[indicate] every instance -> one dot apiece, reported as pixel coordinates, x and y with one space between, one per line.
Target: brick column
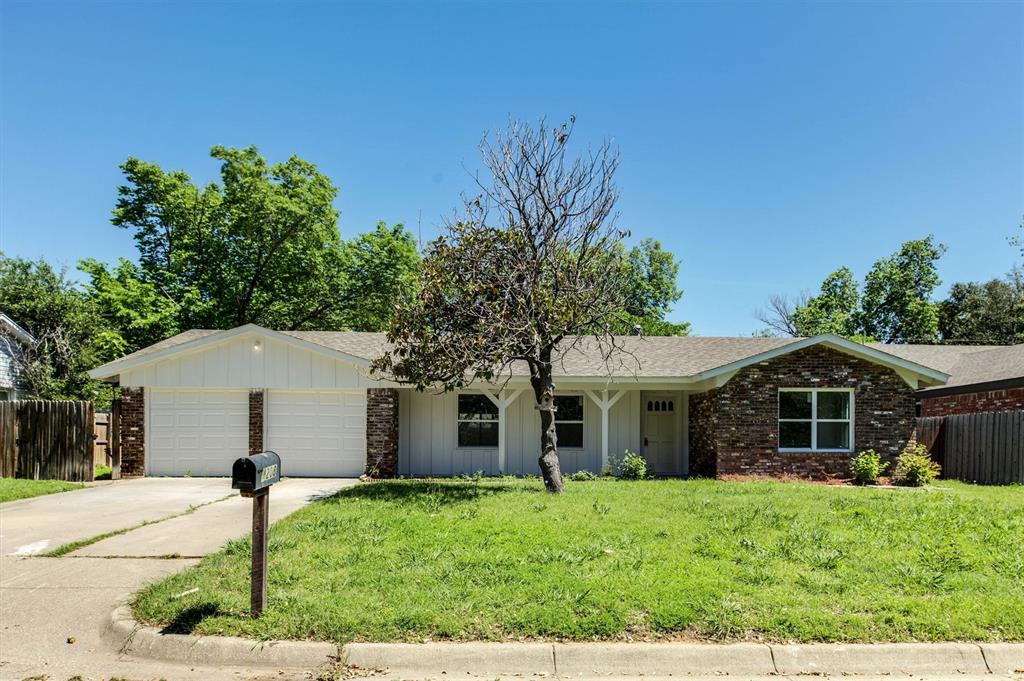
256 421
133 432
381 432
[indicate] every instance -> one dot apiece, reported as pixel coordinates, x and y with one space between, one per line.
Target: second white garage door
317 433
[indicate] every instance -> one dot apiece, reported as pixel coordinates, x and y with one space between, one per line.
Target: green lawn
12 488
501 559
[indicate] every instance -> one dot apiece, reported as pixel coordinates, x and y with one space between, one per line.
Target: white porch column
502 403
605 404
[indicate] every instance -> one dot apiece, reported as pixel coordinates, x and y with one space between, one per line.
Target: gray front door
660 425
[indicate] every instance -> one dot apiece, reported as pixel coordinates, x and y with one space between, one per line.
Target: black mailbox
254 473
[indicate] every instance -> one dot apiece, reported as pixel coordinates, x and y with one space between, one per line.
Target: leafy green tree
989 313
381 269
833 310
897 304
261 247
134 309
71 335
530 264
652 289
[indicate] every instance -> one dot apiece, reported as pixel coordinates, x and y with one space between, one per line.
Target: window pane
833 435
569 434
794 434
488 433
569 408
794 405
476 407
833 405
469 434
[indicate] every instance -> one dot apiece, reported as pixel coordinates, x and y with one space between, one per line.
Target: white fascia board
114 368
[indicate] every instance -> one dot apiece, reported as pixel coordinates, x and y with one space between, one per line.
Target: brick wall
703 419
1008 399
133 432
256 398
382 432
746 413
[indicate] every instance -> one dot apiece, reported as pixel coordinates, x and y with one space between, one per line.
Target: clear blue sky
765 144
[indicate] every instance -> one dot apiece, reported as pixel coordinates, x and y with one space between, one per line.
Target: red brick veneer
133 432
382 432
736 425
256 398
1008 399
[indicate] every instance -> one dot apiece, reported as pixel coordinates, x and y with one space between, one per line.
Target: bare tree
529 269
779 314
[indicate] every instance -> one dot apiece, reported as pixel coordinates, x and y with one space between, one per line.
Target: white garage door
197 432
318 433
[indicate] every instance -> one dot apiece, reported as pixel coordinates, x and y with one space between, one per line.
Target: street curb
572 659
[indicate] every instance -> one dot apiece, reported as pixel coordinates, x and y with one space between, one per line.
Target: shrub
867 466
915 467
632 467
101 472
582 476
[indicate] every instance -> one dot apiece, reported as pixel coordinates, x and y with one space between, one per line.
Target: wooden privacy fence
46 440
986 448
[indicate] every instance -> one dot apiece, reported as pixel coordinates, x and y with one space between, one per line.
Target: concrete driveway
52 610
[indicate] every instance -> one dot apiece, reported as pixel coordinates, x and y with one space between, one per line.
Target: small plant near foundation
915 467
582 476
632 467
867 466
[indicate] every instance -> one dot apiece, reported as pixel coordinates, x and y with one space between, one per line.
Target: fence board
46 440
986 448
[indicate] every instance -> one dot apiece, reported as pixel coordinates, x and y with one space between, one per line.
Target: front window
478 421
815 420
569 420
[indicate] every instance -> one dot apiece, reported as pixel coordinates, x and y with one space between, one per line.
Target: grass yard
706 560
16 488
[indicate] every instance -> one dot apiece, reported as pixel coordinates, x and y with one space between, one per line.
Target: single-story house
982 377
13 342
703 406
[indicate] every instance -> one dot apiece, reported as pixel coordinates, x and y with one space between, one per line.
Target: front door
659 422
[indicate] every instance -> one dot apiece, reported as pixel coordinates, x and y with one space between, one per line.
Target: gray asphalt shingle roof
673 356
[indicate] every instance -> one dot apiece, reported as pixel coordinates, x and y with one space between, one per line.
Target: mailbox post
253 476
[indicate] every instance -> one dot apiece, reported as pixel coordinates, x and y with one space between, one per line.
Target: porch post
605 405
502 403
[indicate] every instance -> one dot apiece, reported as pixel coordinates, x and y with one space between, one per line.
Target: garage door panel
197 432
318 433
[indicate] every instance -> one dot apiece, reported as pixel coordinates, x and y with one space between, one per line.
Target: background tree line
260 246
896 303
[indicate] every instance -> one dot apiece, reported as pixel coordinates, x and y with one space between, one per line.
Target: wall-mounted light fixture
256 345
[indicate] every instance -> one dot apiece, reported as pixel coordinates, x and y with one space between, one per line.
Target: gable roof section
196 339
967 364
693 358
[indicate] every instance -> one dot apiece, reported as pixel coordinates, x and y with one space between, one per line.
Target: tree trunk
544 392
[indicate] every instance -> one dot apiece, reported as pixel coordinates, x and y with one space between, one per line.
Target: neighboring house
982 378
691 405
13 341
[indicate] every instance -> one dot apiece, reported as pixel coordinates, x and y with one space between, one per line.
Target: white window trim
582 422
814 420
496 419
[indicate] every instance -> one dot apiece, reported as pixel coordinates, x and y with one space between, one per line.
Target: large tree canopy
261 247
988 313
895 306
71 336
531 263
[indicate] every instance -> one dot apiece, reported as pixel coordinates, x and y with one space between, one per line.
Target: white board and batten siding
428 443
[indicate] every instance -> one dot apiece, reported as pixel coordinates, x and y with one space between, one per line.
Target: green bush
101 472
867 466
915 467
582 476
632 467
